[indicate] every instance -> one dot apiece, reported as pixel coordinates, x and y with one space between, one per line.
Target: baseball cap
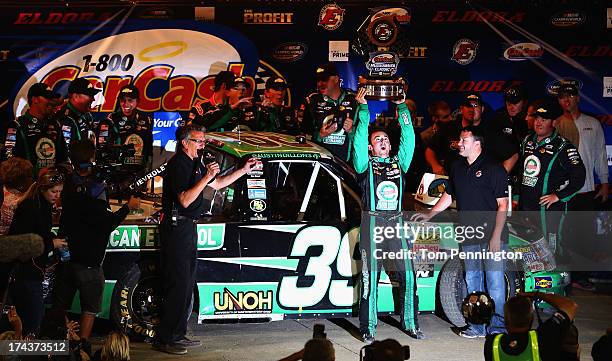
41 90
276 82
567 89
515 94
472 97
547 109
324 71
241 80
82 86
129 91
225 77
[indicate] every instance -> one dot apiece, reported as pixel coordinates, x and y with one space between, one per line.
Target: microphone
20 247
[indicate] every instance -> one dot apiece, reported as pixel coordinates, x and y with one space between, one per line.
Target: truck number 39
335 248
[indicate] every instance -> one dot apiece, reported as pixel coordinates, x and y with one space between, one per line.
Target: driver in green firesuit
381 178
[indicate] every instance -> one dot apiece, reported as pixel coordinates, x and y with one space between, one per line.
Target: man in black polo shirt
547 342
480 187
182 202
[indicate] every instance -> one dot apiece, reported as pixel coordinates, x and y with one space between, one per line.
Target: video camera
112 156
110 168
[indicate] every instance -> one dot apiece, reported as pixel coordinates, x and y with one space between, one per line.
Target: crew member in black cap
443 150
35 136
508 128
272 113
245 112
553 171
221 111
329 113
75 117
128 125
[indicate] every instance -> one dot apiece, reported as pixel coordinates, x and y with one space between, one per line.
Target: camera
385 350
318 331
113 155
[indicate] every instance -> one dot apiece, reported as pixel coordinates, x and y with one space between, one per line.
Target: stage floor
272 341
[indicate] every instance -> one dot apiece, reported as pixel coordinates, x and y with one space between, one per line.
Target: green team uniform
552 165
320 109
75 125
381 182
37 140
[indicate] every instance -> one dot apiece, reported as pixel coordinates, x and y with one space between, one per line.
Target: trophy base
383 89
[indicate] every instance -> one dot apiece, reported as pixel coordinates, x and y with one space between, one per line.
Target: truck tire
452 289
136 301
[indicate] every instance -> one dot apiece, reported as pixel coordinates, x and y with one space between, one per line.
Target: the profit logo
243 302
464 51
331 16
266 18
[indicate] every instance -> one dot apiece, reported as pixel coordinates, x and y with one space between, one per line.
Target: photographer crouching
183 204
86 223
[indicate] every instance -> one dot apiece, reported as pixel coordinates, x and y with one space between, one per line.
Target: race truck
280 243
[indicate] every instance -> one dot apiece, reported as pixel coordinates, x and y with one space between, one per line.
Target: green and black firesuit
216 117
382 191
75 125
276 119
37 140
551 165
320 109
137 130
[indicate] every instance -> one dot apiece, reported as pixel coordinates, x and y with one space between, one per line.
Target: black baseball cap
276 82
515 94
547 109
82 86
471 97
129 91
567 89
324 71
41 90
225 77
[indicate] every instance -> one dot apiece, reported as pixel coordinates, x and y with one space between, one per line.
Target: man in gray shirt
591 144
592 149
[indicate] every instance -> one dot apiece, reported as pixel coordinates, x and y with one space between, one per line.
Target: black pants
178 265
27 297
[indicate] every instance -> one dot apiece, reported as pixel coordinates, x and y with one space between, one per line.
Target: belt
184 218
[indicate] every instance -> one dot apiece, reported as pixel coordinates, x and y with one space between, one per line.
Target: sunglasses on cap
53 176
